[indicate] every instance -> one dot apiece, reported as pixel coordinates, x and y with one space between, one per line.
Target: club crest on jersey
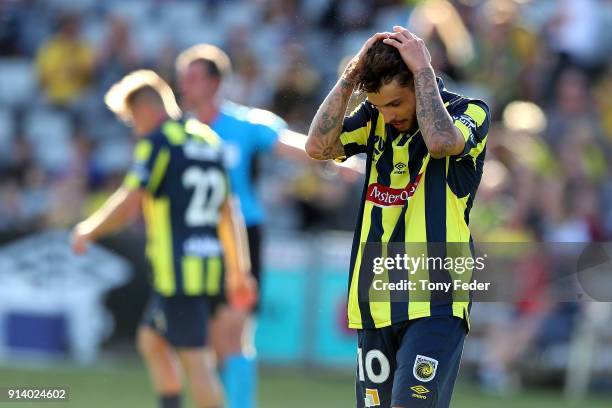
424 368
371 397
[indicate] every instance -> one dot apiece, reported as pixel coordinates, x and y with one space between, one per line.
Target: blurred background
544 67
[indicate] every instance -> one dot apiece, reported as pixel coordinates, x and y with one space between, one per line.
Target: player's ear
216 84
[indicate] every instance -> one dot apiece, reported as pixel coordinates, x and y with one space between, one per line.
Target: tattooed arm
439 133
323 141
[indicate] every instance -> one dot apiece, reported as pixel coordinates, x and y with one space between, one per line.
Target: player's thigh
200 369
376 364
227 331
150 343
160 358
150 340
198 363
428 362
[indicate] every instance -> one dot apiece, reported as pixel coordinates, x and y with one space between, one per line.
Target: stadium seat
133 10
388 17
94 31
7 132
17 81
114 154
75 5
352 42
184 12
313 10
238 13
188 35
50 133
150 39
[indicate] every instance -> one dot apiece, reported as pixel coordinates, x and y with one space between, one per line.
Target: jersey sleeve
355 131
266 129
472 118
149 164
222 163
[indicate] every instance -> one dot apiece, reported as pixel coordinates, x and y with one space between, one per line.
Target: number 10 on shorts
368 364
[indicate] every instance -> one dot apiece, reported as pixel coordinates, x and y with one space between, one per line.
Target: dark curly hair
382 64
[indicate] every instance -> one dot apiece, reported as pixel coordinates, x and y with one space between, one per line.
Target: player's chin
401 126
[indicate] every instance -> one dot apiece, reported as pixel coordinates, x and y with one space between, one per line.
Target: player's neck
155 122
208 112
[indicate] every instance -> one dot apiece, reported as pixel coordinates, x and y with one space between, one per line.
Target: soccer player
245 133
193 234
425 150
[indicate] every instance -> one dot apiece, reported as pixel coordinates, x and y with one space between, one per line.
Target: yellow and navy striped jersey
410 197
180 166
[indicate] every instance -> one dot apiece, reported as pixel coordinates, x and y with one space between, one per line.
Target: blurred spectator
573 104
602 92
575 32
246 85
9 29
117 55
65 63
164 62
507 56
450 44
296 89
347 15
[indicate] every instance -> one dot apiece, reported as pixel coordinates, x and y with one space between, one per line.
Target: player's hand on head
413 50
350 71
79 240
242 291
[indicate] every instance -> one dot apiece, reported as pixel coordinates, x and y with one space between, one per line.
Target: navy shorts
181 320
411 364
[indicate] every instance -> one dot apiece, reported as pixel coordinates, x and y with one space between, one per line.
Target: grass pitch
124 383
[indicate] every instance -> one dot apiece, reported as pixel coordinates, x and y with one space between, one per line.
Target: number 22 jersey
180 166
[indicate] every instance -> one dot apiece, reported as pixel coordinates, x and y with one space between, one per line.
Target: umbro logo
419 392
400 168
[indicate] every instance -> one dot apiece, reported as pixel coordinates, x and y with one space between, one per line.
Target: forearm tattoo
326 126
434 120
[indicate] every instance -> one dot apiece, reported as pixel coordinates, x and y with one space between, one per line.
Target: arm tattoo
434 121
325 129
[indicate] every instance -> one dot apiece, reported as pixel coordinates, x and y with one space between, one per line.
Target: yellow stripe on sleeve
159 169
143 150
131 181
175 132
358 136
477 113
203 132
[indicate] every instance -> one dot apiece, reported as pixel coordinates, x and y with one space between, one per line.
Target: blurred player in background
246 132
194 235
425 151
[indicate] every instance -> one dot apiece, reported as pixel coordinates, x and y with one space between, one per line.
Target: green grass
125 384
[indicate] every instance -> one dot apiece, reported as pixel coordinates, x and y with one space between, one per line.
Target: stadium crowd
544 67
